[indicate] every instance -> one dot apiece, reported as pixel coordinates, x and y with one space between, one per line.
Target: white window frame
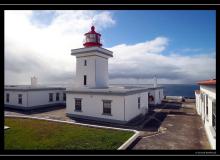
107 105
77 107
64 96
19 98
50 97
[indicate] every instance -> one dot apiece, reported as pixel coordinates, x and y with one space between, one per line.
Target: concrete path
181 128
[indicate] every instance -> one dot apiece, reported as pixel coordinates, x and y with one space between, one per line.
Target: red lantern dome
92 39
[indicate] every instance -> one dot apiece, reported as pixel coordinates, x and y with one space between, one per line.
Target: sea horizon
184 89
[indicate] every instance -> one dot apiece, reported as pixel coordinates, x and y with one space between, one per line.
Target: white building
155 94
27 97
206 108
93 98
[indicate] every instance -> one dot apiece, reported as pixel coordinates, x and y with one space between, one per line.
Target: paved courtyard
168 126
179 128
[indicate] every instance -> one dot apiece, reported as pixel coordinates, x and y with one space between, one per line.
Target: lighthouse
92 98
92 62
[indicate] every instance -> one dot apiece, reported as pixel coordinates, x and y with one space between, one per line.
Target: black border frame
105 7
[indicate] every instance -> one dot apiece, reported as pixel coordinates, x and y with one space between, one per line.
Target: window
7 97
207 111
91 38
50 97
139 102
57 96
78 104
107 107
85 62
214 114
85 79
64 96
20 99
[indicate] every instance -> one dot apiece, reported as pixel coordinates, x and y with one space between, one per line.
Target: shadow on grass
36 110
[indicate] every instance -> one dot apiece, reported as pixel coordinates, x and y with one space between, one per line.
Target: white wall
210 90
101 72
152 93
158 96
131 103
36 98
33 98
87 70
198 106
92 105
201 110
155 94
96 71
13 98
123 108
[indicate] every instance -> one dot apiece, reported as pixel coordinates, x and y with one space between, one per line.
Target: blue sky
176 45
185 29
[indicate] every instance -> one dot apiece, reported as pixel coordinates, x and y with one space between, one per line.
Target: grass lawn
31 134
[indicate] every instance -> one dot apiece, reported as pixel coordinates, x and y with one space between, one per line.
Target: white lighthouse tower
92 62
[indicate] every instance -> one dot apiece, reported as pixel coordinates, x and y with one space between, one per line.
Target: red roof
92 31
207 82
92 42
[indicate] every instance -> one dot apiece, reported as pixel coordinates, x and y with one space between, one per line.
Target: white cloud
43 50
143 60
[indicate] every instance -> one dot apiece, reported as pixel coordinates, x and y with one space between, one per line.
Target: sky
178 46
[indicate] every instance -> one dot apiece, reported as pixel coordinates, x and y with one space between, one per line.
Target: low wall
174 97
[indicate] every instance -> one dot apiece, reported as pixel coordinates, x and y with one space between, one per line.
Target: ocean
185 90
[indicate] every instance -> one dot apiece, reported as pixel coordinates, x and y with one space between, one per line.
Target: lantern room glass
91 38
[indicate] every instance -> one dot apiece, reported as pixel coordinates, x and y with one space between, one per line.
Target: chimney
33 81
155 81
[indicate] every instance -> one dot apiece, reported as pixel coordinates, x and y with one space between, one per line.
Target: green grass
30 134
